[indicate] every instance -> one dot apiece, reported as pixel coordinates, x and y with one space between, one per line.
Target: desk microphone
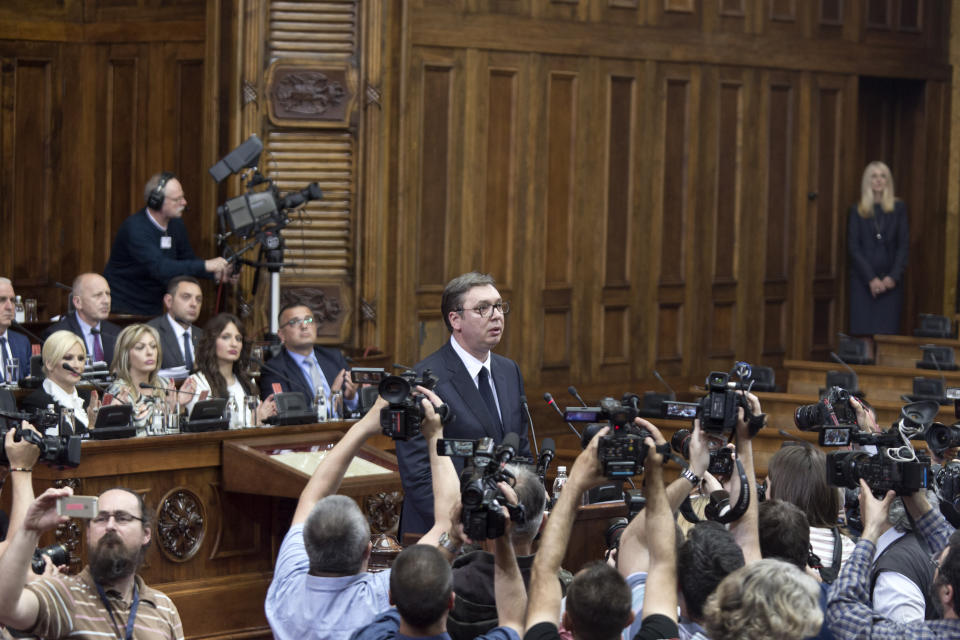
29 333
572 390
856 379
673 394
147 385
526 410
281 374
553 403
549 451
85 378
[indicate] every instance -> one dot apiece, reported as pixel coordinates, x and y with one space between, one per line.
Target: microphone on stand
553 403
85 377
549 451
30 334
572 390
526 410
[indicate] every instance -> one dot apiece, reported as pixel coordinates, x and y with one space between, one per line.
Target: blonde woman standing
878 241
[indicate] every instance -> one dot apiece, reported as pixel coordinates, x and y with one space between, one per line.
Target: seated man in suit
178 335
304 366
482 389
12 344
91 301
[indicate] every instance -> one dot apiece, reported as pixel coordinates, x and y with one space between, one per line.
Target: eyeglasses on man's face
293 322
122 517
485 310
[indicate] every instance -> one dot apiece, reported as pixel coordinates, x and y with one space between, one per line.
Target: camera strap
715 511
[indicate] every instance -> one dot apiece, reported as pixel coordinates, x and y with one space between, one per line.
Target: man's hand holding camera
21 453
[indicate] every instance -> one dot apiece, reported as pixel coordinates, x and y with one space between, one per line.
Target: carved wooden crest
181 524
312 94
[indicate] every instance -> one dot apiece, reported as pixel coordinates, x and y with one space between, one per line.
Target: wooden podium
221 503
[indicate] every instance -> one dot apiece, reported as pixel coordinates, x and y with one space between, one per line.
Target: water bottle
321 402
559 482
232 410
20 313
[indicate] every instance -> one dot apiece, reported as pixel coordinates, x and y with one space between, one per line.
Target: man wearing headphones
152 247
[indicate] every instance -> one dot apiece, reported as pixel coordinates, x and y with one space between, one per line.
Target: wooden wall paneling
436 124
561 10
927 259
719 228
618 97
788 18
676 14
373 216
510 7
951 228
826 212
728 16
618 12
779 106
35 106
678 92
562 81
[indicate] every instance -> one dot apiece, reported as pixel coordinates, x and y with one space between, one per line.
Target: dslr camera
55 451
621 452
721 460
717 410
402 419
833 417
479 494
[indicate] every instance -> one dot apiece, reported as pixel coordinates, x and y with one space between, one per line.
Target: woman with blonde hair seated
60 385
136 361
223 357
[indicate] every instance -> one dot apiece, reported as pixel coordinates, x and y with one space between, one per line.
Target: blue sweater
139 267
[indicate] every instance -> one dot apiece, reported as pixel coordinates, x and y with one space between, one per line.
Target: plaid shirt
849 611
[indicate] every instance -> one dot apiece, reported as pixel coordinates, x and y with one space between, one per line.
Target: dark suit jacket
471 420
285 371
39 399
108 333
20 348
170 345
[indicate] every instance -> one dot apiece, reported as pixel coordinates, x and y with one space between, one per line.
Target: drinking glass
336 405
13 371
30 309
252 402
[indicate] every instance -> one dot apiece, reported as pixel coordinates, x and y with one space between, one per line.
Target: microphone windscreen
572 390
69 368
548 397
548 445
512 440
146 385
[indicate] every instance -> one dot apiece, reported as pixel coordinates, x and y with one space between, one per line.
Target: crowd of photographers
851 544
793 560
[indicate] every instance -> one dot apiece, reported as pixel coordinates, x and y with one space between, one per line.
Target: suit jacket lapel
467 388
295 373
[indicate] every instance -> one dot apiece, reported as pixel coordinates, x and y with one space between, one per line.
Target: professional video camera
718 409
479 494
721 460
621 452
56 451
947 483
636 502
881 471
941 437
402 419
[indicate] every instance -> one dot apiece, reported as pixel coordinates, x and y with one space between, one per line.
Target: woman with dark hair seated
221 364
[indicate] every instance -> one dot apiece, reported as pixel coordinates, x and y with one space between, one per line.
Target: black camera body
402 419
56 451
947 481
717 410
881 473
721 460
833 410
57 553
622 452
479 494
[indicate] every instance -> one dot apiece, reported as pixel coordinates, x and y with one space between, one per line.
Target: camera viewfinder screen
680 410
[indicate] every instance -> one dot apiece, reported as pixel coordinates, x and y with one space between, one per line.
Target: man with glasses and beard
107 598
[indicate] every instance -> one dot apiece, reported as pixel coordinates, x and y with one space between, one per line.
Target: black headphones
155 199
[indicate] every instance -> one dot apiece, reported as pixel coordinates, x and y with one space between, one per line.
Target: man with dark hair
151 247
709 554
598 599
104 598
482 389
784 532
91 302
321 588
850 613
421 590
179 335
303 365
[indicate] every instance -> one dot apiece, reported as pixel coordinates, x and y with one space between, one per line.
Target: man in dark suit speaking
482 389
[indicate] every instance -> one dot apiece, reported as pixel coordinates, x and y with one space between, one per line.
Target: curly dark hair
206 360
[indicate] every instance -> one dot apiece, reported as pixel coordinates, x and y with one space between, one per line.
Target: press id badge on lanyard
166 242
